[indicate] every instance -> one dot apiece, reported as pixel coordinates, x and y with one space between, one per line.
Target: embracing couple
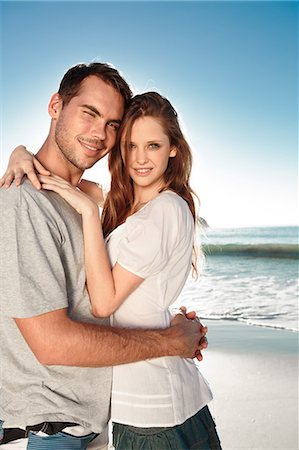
80 293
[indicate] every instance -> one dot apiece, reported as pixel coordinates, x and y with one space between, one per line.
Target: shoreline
249 323
236 335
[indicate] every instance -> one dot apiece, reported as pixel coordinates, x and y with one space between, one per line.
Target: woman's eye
154 146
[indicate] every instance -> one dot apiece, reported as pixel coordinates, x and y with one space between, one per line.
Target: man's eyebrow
97 112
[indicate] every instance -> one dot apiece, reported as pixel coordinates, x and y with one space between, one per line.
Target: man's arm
55 339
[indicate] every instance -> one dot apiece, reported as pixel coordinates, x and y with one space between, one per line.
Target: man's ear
173 152
55 106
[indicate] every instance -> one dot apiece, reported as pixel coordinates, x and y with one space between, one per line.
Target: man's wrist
169 342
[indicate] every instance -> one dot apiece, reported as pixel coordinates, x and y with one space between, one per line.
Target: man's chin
84 165
91 161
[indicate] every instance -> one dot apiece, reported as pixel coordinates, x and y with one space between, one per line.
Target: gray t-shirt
42 270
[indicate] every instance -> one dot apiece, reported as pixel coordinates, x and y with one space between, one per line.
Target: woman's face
148 154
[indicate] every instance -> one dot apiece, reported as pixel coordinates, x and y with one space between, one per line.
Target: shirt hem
163 424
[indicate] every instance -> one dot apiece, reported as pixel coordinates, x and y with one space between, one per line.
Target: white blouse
156 244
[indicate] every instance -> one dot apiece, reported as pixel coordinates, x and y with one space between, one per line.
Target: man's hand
203 343
189 336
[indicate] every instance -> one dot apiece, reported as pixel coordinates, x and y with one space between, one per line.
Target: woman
148 226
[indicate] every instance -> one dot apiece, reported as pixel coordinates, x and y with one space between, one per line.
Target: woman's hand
21 163
80 201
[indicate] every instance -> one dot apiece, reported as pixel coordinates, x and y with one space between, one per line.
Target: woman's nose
141 156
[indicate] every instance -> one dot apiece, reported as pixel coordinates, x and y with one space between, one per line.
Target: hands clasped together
193 332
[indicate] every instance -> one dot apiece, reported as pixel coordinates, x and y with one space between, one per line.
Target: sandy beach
253 372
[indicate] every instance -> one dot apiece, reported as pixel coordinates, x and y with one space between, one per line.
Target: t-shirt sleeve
150 238
32 275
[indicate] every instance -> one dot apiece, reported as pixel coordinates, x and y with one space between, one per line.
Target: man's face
86 127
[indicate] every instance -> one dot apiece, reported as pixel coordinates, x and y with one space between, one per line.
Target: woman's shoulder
165 210
164 198
170 202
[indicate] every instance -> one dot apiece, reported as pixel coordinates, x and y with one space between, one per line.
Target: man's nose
99 131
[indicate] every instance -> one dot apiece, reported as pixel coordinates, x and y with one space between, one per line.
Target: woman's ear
55 106
173 152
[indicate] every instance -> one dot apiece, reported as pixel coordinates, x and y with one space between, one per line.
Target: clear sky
230 69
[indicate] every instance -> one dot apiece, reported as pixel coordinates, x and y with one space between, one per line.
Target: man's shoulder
20 196
40 204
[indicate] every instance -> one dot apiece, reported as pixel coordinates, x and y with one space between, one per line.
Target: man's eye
89 113
113 125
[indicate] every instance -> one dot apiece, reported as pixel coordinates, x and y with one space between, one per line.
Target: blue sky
230 69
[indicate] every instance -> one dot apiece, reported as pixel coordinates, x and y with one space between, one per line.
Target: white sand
253 373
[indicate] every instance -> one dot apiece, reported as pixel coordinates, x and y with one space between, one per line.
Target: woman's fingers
77 199
55 180
27 167
2 180
53 187
7 179
68 192
57 184
32 176
40 168
19 174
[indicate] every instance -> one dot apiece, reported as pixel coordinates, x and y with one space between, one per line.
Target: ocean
248 275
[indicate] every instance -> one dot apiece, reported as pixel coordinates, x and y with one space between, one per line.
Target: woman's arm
93 190
107 288
21 163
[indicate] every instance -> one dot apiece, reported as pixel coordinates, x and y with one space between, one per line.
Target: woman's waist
130 314
155 378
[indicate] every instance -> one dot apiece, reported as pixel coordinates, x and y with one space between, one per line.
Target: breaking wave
290 251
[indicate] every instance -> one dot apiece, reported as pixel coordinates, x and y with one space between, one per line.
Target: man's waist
12 434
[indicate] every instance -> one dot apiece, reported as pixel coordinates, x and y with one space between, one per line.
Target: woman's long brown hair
119 201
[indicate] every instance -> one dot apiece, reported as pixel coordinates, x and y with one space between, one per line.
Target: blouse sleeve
151 236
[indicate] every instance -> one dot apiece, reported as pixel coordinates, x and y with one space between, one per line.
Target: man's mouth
91 147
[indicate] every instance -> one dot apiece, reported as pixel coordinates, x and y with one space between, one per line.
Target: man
55 356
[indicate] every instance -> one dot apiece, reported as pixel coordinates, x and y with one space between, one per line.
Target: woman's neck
142 196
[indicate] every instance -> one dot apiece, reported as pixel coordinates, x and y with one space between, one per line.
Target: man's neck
53 160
